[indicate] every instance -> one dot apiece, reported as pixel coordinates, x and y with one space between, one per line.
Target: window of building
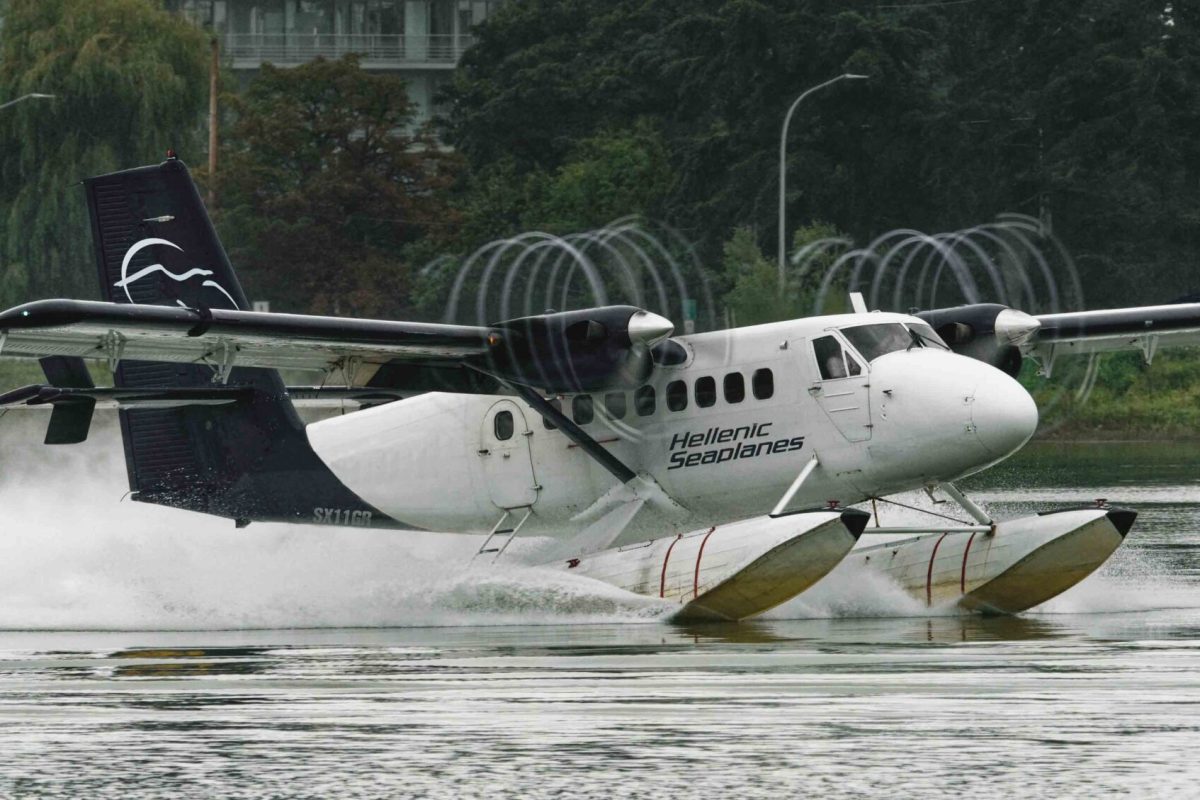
502 424
706 391
582 409
614 404
557 407
735 388
677 395
762 383
644 401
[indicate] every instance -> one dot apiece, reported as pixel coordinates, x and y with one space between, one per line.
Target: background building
423 39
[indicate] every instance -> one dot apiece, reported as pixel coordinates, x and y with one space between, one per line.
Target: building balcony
379 51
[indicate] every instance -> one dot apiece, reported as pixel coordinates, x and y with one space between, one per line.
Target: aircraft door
507 460
840 383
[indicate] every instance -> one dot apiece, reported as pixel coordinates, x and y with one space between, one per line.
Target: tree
1082 112
714 79
129 81
325 183
754 296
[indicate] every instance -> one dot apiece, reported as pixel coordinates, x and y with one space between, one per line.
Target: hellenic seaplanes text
741 442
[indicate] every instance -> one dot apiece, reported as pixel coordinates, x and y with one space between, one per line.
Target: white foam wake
73 556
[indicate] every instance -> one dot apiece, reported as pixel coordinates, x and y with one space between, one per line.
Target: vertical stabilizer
249 460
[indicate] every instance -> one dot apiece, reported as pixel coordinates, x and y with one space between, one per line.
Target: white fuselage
910 417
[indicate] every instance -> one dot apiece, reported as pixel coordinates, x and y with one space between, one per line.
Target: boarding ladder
500 530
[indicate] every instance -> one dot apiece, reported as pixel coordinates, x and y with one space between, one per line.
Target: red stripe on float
662 583
696 579
962 581
929 574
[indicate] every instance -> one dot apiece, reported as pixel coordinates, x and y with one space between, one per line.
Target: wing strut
576 434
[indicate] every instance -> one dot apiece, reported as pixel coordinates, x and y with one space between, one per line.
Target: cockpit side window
830 360
874 341
852 365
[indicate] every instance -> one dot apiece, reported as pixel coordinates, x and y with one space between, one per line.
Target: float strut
977 513
795 487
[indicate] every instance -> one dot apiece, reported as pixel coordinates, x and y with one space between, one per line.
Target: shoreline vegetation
1129 401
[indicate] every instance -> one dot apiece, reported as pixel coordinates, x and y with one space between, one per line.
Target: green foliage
714 79
1083 112
608 176
15 372
324 183
755 296
130 82
1129 399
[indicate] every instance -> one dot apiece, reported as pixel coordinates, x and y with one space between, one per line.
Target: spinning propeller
578 351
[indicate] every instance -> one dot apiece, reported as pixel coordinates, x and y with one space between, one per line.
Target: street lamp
783 159
31 96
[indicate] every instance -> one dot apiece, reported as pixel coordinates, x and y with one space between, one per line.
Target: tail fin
250 460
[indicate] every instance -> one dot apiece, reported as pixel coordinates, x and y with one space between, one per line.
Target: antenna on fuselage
857 303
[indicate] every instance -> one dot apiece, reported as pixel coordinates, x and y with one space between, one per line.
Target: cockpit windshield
874 341
927 335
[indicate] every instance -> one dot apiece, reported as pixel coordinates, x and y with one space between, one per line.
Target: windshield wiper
920 340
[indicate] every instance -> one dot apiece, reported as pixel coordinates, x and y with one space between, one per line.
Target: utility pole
213 81
783 163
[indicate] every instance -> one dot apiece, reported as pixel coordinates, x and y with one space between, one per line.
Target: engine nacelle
578 351
988 332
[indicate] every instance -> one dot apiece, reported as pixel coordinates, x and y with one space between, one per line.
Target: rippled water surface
356 664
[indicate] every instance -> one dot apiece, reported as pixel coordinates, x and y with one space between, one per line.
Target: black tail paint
248 460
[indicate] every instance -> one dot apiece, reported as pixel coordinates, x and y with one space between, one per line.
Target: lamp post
31 96
783 161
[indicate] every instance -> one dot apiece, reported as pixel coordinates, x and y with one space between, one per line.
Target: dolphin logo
127 279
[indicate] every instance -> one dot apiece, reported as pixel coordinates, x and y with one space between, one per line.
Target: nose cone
1003 414
648 328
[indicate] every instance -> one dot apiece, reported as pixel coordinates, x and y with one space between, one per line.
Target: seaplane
720 471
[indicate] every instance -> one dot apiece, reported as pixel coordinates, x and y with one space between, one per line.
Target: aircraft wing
225 338
1144 328
1004 336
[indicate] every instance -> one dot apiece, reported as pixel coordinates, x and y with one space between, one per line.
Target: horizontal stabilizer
66 397
70 421
173 397
72 418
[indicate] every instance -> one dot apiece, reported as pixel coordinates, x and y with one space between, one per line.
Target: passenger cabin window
557 407
502 424
763 384
706 391
614 404
874 341
677 395
643 401
735 388
582 409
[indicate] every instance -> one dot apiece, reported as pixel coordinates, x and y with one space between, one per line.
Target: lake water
151 653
